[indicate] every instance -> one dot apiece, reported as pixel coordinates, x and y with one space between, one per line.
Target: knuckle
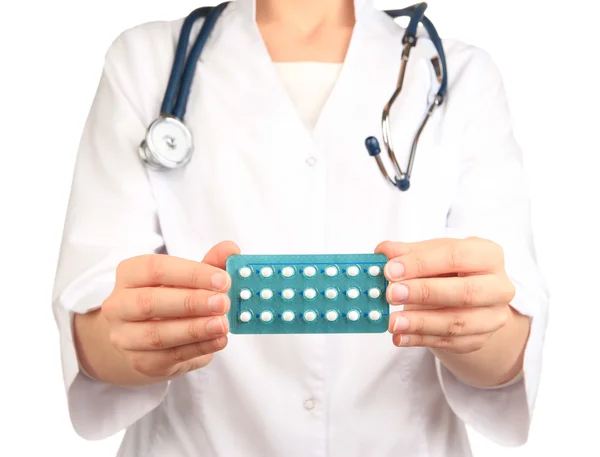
109 308
176 355
509 292
155 268
196 276
141 364
469 293
153 337
192 303
115 339
419 323
145 303
426 292
456 327
443 343
456 256
193 331
420 266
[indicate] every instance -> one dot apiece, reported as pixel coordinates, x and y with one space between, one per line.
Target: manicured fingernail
395 271
401 324
399 293
219 281
216 303
215 325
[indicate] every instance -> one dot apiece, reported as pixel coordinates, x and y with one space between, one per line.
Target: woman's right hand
167 315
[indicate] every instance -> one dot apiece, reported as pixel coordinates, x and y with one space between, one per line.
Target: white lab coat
258 177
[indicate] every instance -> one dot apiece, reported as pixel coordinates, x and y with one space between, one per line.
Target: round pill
309 272
266 294
245 294
374 293
287 272
245 272
331 293
353 271
310 294
245 316
374 270
331 315
310 316
288 294
353 315
266 272
353 293
288 316
266 316
375 315
331 271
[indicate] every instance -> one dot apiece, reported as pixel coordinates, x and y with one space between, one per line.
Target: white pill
266 294
266 272
245 316
353 315
331 315
310 293
374 270
245 272
287 272
288 294
353 293
375 315
245 294
331 271
374 292
288 316
310 316
331 293
309 272
353 271
266 316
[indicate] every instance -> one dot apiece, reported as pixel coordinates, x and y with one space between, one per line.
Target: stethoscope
169 144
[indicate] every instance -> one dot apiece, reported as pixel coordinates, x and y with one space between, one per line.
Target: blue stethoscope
169 144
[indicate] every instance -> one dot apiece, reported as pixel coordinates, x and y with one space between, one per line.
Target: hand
166 315
455 291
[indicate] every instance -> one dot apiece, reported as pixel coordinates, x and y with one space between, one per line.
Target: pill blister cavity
309 272
245 272
375 315
245 316
288 316
353 315
374 292
266 272
266 294
310 316
245 294
374 270
353 293
287 272
310 293
331 271
353 271
331 293
288 294
331 315
266 316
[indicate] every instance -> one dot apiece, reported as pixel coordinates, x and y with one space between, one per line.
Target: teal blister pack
295 294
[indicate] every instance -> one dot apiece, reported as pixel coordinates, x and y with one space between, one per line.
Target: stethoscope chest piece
168 144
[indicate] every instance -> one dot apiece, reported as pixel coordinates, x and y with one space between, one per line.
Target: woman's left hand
455 291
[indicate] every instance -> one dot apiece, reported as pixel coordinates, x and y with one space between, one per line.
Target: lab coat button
309 404
311 161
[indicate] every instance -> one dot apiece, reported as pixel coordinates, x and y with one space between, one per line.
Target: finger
469 256
480 290
158 335
165 270
166 302
393 249
458 344
449 322
177 360
218 255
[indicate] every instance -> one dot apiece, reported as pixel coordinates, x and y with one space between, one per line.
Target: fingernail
404 340
219 281
216 303
400 324
399 293
215 325
395 271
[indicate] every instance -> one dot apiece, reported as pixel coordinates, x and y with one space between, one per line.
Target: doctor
283 98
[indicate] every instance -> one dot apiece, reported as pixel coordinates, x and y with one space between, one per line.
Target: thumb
218 255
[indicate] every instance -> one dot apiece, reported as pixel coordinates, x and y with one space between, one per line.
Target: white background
50 61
